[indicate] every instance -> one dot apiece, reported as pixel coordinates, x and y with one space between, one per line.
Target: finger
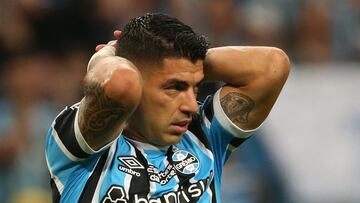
98 47
117 34
112 43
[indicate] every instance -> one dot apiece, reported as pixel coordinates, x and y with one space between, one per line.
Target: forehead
179 69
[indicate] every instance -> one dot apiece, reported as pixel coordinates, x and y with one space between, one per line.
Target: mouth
181 127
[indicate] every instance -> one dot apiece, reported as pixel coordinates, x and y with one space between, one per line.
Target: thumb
117 34
100 46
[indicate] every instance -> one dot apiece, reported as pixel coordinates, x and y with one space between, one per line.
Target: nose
189 104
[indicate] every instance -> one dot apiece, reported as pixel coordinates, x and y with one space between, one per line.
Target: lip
180 129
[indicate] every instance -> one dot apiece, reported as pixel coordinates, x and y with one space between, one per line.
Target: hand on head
108 51
117 34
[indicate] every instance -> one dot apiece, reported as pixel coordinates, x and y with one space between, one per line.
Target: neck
141 141
134 135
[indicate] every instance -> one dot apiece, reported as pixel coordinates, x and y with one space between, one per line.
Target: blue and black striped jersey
128 171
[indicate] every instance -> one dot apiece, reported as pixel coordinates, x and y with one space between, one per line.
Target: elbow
124 86
279 66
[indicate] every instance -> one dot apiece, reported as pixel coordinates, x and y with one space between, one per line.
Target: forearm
254 77
112 89
239 66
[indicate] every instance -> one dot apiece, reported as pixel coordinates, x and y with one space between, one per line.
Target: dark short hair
152 37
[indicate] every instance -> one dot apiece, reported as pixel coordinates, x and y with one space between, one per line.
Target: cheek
159 106
153 107
162 112
164 109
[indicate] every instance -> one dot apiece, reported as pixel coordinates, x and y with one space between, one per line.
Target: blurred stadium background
308 150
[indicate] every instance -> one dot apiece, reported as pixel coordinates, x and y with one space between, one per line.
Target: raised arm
112 88
254 77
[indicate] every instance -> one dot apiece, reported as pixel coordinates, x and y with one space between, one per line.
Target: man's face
168 102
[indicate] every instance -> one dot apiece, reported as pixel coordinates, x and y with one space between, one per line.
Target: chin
173 139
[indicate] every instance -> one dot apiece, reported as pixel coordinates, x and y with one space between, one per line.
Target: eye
177 87
173 89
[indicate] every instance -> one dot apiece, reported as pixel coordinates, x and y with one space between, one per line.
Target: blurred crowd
45 46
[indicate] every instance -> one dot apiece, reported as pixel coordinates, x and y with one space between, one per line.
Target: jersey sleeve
66 150
223 135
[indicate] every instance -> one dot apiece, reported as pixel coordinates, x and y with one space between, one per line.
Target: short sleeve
223 135
66 151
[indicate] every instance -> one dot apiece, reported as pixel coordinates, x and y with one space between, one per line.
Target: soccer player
140 136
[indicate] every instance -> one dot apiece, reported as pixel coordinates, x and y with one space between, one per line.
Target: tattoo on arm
237 107
99 114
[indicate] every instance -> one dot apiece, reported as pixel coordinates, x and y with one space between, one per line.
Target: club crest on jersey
185 162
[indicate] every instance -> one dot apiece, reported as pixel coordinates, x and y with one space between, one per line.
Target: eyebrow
174 81
178 81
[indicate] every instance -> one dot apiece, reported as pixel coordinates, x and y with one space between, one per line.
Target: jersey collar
147 146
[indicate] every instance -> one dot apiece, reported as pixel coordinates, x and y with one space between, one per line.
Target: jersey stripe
128 177
140 185
197 131
55 192
109 159
209 111
90 186
201 145
236 142
64 126
62 146
212 187
57 183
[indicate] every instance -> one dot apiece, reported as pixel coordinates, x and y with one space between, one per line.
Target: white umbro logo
131 162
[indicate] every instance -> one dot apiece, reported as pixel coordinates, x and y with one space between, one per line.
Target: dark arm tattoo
99 115
237 107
